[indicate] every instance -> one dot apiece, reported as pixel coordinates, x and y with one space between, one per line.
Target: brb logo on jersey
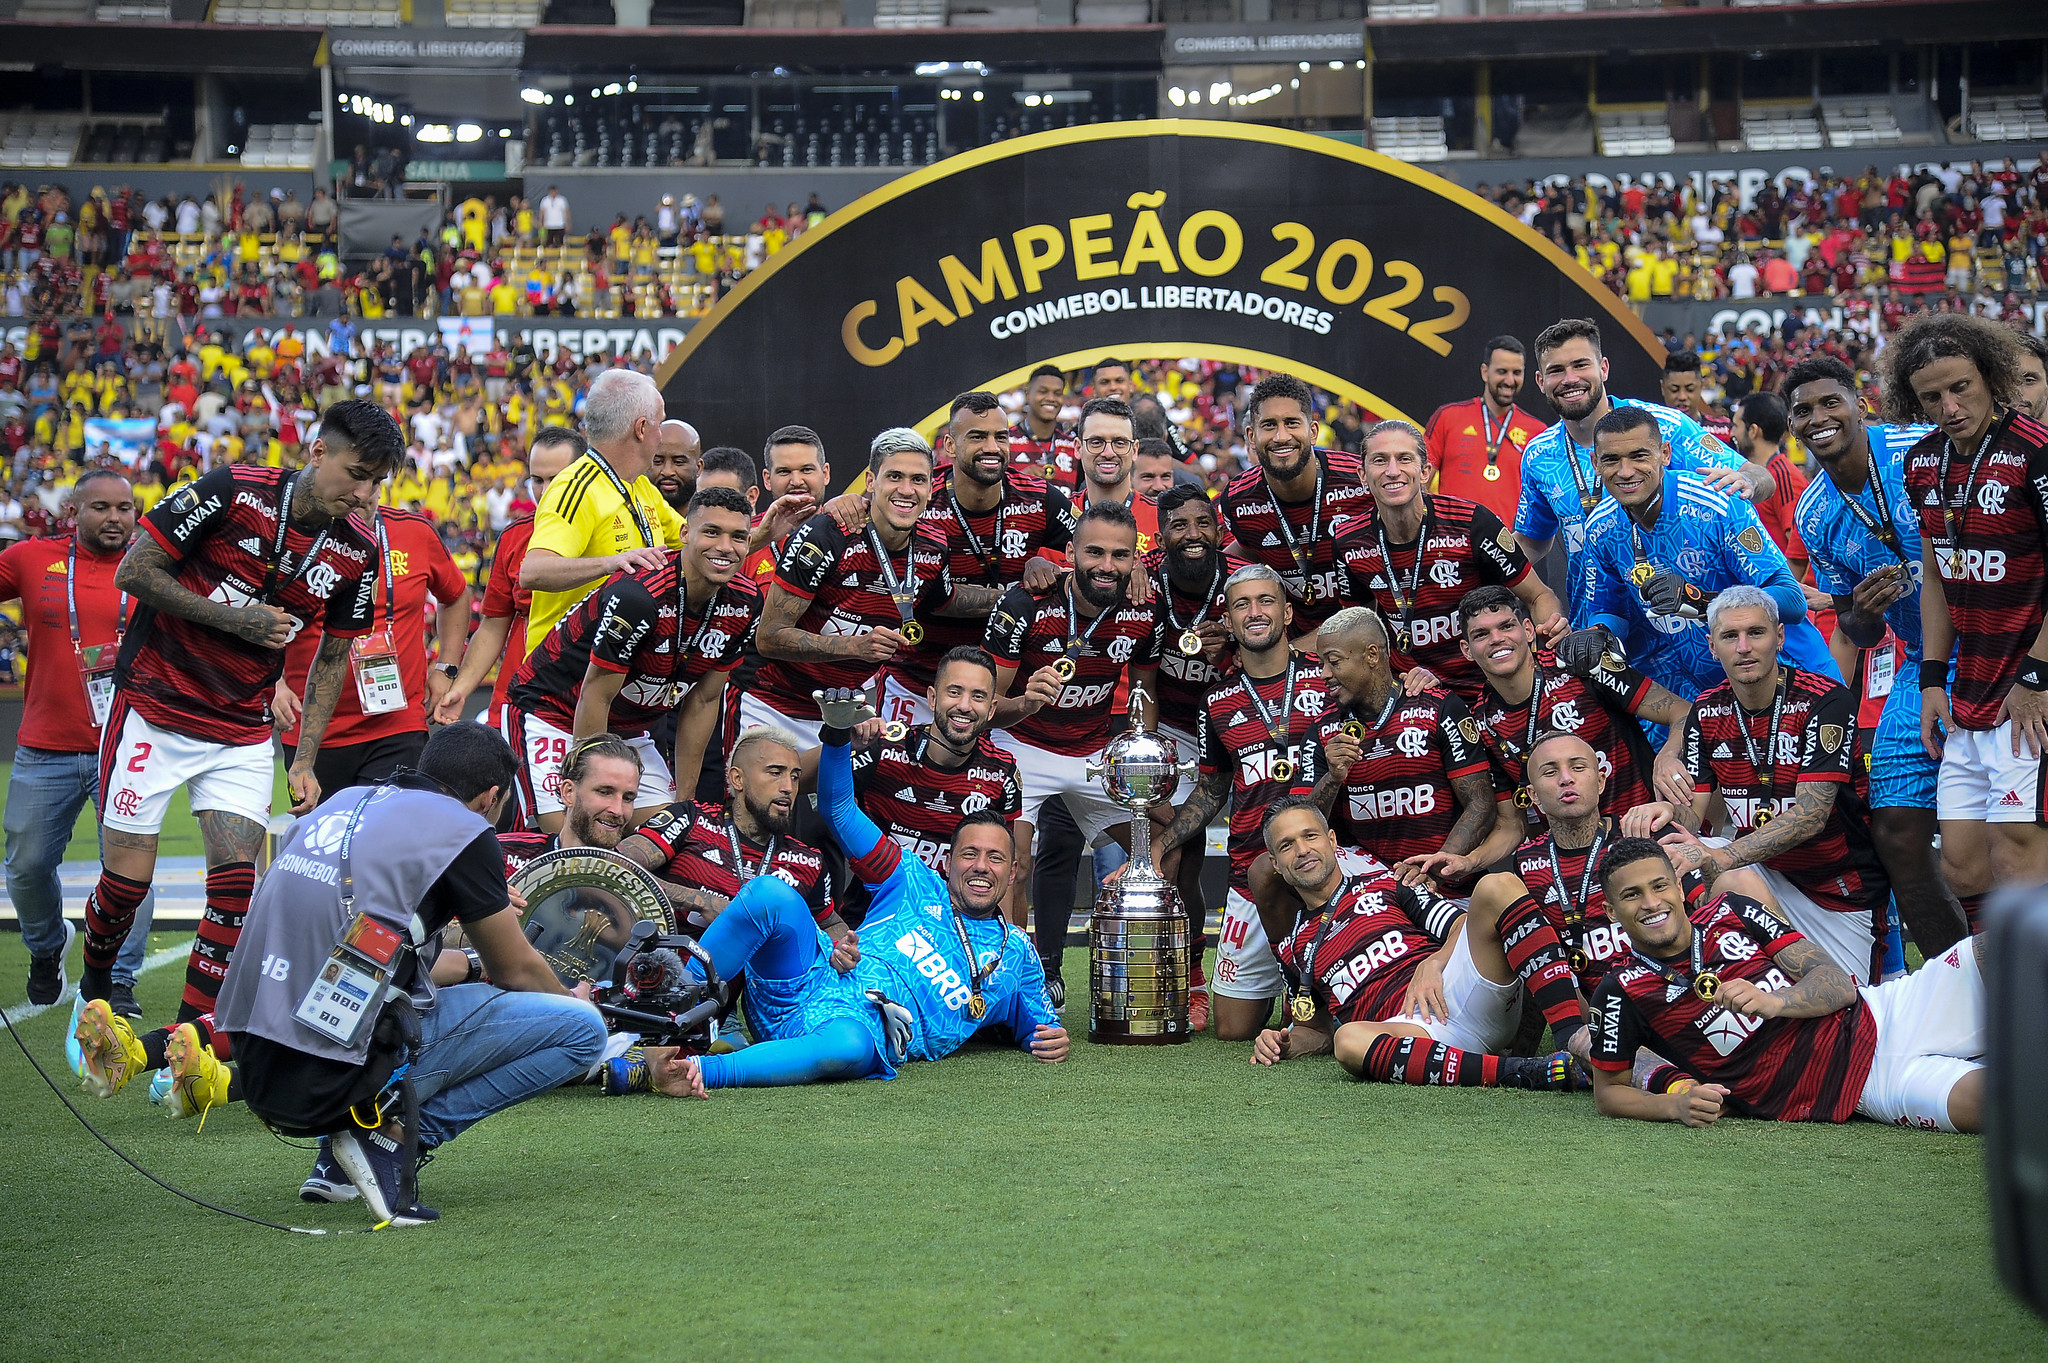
928 962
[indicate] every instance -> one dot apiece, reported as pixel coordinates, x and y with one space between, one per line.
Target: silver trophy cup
1138 941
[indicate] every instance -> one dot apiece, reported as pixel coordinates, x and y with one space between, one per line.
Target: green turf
180 837
1151 1203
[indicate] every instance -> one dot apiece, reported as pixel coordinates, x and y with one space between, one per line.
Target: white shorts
1930 1033
1185 742
1044 773
142 765
1847 937
541 748
1981 780
902 705
1246 967
755 711
1484 1015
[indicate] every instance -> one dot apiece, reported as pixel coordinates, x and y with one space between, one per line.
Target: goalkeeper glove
896 1022
1670 594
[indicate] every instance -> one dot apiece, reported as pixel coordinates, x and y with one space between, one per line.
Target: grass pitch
1152 1203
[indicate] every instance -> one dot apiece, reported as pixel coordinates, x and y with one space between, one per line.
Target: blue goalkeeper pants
768 931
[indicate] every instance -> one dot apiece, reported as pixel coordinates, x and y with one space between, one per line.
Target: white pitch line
22 1012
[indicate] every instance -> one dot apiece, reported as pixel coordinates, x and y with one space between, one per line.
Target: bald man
677 459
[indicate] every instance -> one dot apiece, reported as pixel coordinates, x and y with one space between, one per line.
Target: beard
1183 568
770 819
1100 597
1583 408
590 832
680 498
1272 465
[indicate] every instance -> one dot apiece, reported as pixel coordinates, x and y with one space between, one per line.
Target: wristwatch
453 670
476 965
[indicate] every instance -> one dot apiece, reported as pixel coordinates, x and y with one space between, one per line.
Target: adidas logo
711 855
852 580
2010 800
1271 541
1378 583
1240 718
1723 753
252 545
661 647
907 795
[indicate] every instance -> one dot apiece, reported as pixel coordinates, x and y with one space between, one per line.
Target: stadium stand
1781 128
1635 132
1411 139
2008 118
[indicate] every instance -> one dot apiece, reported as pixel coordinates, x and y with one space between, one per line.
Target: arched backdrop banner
1159 239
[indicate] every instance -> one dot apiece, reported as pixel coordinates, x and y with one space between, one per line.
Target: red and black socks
1536 954
109 913
1418 1060
228 888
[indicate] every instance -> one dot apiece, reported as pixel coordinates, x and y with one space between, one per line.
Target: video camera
651 993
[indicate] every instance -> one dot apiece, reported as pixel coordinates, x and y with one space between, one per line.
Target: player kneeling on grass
1422 990
939 961
1770 1024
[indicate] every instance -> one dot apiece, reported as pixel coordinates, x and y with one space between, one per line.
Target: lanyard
348 838
739 863
1588 499
71 596
626 495
1276 728
1764 766
1074 642
390 578
272 585
1575 909
683 609
1208 600
1308 955
1701 982
1304 552
1535 713
1644 569
976 1005
903 590
1494 442
989 567
1404 600
1952 517
1879 525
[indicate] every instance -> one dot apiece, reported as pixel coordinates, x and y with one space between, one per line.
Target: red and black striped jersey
1816 736
1463 545
921 804
1994 574
1184 682
1576 905
1789 1069
1599 708
841 581
520 848
1028 631
1233 735
988 549
1251 516
1397 800
1057 460
639 624
707 851
1379 931
222 533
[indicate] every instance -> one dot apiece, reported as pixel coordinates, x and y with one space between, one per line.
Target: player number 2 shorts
141 766
1930 1033
1981 779
541 748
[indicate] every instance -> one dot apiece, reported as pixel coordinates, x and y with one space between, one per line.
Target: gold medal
913 632
977 1006
1492 474
1355 728
1051 473
1641 574
1763 816
1523 797
1283 769
895 730
1706 984
1063 667
1577 961
1190 643
1302 1008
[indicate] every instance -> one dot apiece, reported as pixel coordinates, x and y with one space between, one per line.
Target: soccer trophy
1138 940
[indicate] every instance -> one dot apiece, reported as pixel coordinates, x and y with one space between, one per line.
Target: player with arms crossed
1980 483
1402 984
1862 536
1769 1024
947 963
637 647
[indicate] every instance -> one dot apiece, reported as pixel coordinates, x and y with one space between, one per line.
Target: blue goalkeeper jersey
1712 540
1842 547
1558 474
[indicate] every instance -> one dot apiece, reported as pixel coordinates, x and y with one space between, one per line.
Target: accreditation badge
96 672
373 659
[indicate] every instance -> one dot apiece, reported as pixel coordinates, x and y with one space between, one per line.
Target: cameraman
420 852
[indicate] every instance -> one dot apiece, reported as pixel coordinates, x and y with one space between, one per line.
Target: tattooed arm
971 602
323 688
780 637
1476 813
645 853
148 575
1193 816
1785 832
1823 987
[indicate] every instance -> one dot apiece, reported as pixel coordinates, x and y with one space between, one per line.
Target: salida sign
1168 238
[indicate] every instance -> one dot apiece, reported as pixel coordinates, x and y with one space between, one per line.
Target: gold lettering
917 307
1224 261
1090 241
1050 249
849 334
1148 241
968 289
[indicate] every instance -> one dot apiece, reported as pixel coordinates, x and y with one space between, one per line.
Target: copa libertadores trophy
1138 940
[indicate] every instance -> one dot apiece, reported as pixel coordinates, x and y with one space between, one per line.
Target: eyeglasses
1096 444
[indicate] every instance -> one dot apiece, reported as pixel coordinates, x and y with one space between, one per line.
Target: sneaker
627 1073
1198 997
1558 1072
199 1081
327 1182
1055 991
121 998
378 1167
109 1055
74 1054
46 977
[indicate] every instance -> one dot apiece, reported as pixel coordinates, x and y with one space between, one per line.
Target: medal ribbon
739 862
272 585
903 590
1493 442
1587 499
1308 955
1075 641
1880 525
991 569
1208 600
626 495
1575 910
1305 552
1666 973
1952 517
977 976
1404 600
1764 771
1276 730
71 597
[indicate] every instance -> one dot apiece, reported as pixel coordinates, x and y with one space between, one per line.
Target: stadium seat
1774 128
2008 118
1411 139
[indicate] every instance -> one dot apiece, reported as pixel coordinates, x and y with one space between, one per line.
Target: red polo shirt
504 599
55 716
1456 439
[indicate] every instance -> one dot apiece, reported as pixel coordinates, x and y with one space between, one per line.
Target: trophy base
1138 968
1113 1034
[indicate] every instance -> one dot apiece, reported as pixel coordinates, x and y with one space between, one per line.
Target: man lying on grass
939 962
1769 1023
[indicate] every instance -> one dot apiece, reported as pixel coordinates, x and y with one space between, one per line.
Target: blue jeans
44 794
482 1049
